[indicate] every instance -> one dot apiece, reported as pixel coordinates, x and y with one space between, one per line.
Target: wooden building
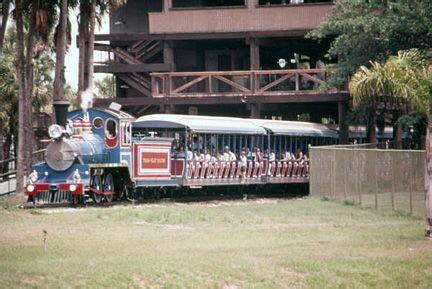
221 57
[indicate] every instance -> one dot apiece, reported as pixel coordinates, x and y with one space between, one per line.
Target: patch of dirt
212 203
229 286
140 281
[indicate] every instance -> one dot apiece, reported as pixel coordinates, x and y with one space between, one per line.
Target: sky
71 61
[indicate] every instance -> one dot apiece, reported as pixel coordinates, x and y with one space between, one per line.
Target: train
106 154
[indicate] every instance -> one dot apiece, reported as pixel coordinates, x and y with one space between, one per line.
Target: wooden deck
239 83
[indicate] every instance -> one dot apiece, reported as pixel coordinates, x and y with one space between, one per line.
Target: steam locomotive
107 154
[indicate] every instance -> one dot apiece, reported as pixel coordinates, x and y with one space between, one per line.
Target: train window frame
126 133
107 135
101 123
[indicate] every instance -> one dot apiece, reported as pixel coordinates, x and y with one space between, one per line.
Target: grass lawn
256 244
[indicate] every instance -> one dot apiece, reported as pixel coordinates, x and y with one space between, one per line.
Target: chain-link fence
378 178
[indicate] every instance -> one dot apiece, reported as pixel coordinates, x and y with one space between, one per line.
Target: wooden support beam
255 110
126 37
312 97
254 54
168 54
125 68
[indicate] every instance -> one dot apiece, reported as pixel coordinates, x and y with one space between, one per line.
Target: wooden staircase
146 49
137 54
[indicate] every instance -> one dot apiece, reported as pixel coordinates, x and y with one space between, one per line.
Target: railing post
210 83
167 85
252 82
297 82
154 86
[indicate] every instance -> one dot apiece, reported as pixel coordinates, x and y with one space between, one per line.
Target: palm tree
404 78
23 100
91 11
5 17
59 80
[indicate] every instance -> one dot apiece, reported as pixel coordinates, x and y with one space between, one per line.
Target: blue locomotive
105 153
85 157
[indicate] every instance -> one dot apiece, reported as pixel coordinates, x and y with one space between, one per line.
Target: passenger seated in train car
213 156
219 156
272 156
243 165
197 143
272 159
284 155
257 155
228 155
290 156
198 156
248 153
180 153
189 155
207 155
302 162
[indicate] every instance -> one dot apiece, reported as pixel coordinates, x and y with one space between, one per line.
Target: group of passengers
242 158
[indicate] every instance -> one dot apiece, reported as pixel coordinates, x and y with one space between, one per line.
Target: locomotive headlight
72 188
30 188
55 131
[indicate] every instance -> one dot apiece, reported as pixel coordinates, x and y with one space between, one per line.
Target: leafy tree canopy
105 87
365 30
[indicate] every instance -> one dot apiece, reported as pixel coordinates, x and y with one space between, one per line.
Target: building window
206 3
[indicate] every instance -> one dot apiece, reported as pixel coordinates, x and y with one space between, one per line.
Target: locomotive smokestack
61 110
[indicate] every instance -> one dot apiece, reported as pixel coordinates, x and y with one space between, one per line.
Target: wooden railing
237 83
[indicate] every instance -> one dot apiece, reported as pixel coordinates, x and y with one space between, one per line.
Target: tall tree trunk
371 129
397 130
82 35
29 87
22 95
59 79
428 178
90 44
5 14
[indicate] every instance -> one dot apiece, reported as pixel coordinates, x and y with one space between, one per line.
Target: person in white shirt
226 154
199 157
243 164
272 158
207 156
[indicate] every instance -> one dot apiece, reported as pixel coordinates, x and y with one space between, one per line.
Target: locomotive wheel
109 187
96 185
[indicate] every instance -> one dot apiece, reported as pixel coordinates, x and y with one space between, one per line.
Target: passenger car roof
200 124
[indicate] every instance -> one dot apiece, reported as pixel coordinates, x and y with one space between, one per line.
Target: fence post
376 180
393 184
356 158
345 179
411 179
334 173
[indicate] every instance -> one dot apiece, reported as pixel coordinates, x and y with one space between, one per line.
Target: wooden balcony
235 84
286 19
